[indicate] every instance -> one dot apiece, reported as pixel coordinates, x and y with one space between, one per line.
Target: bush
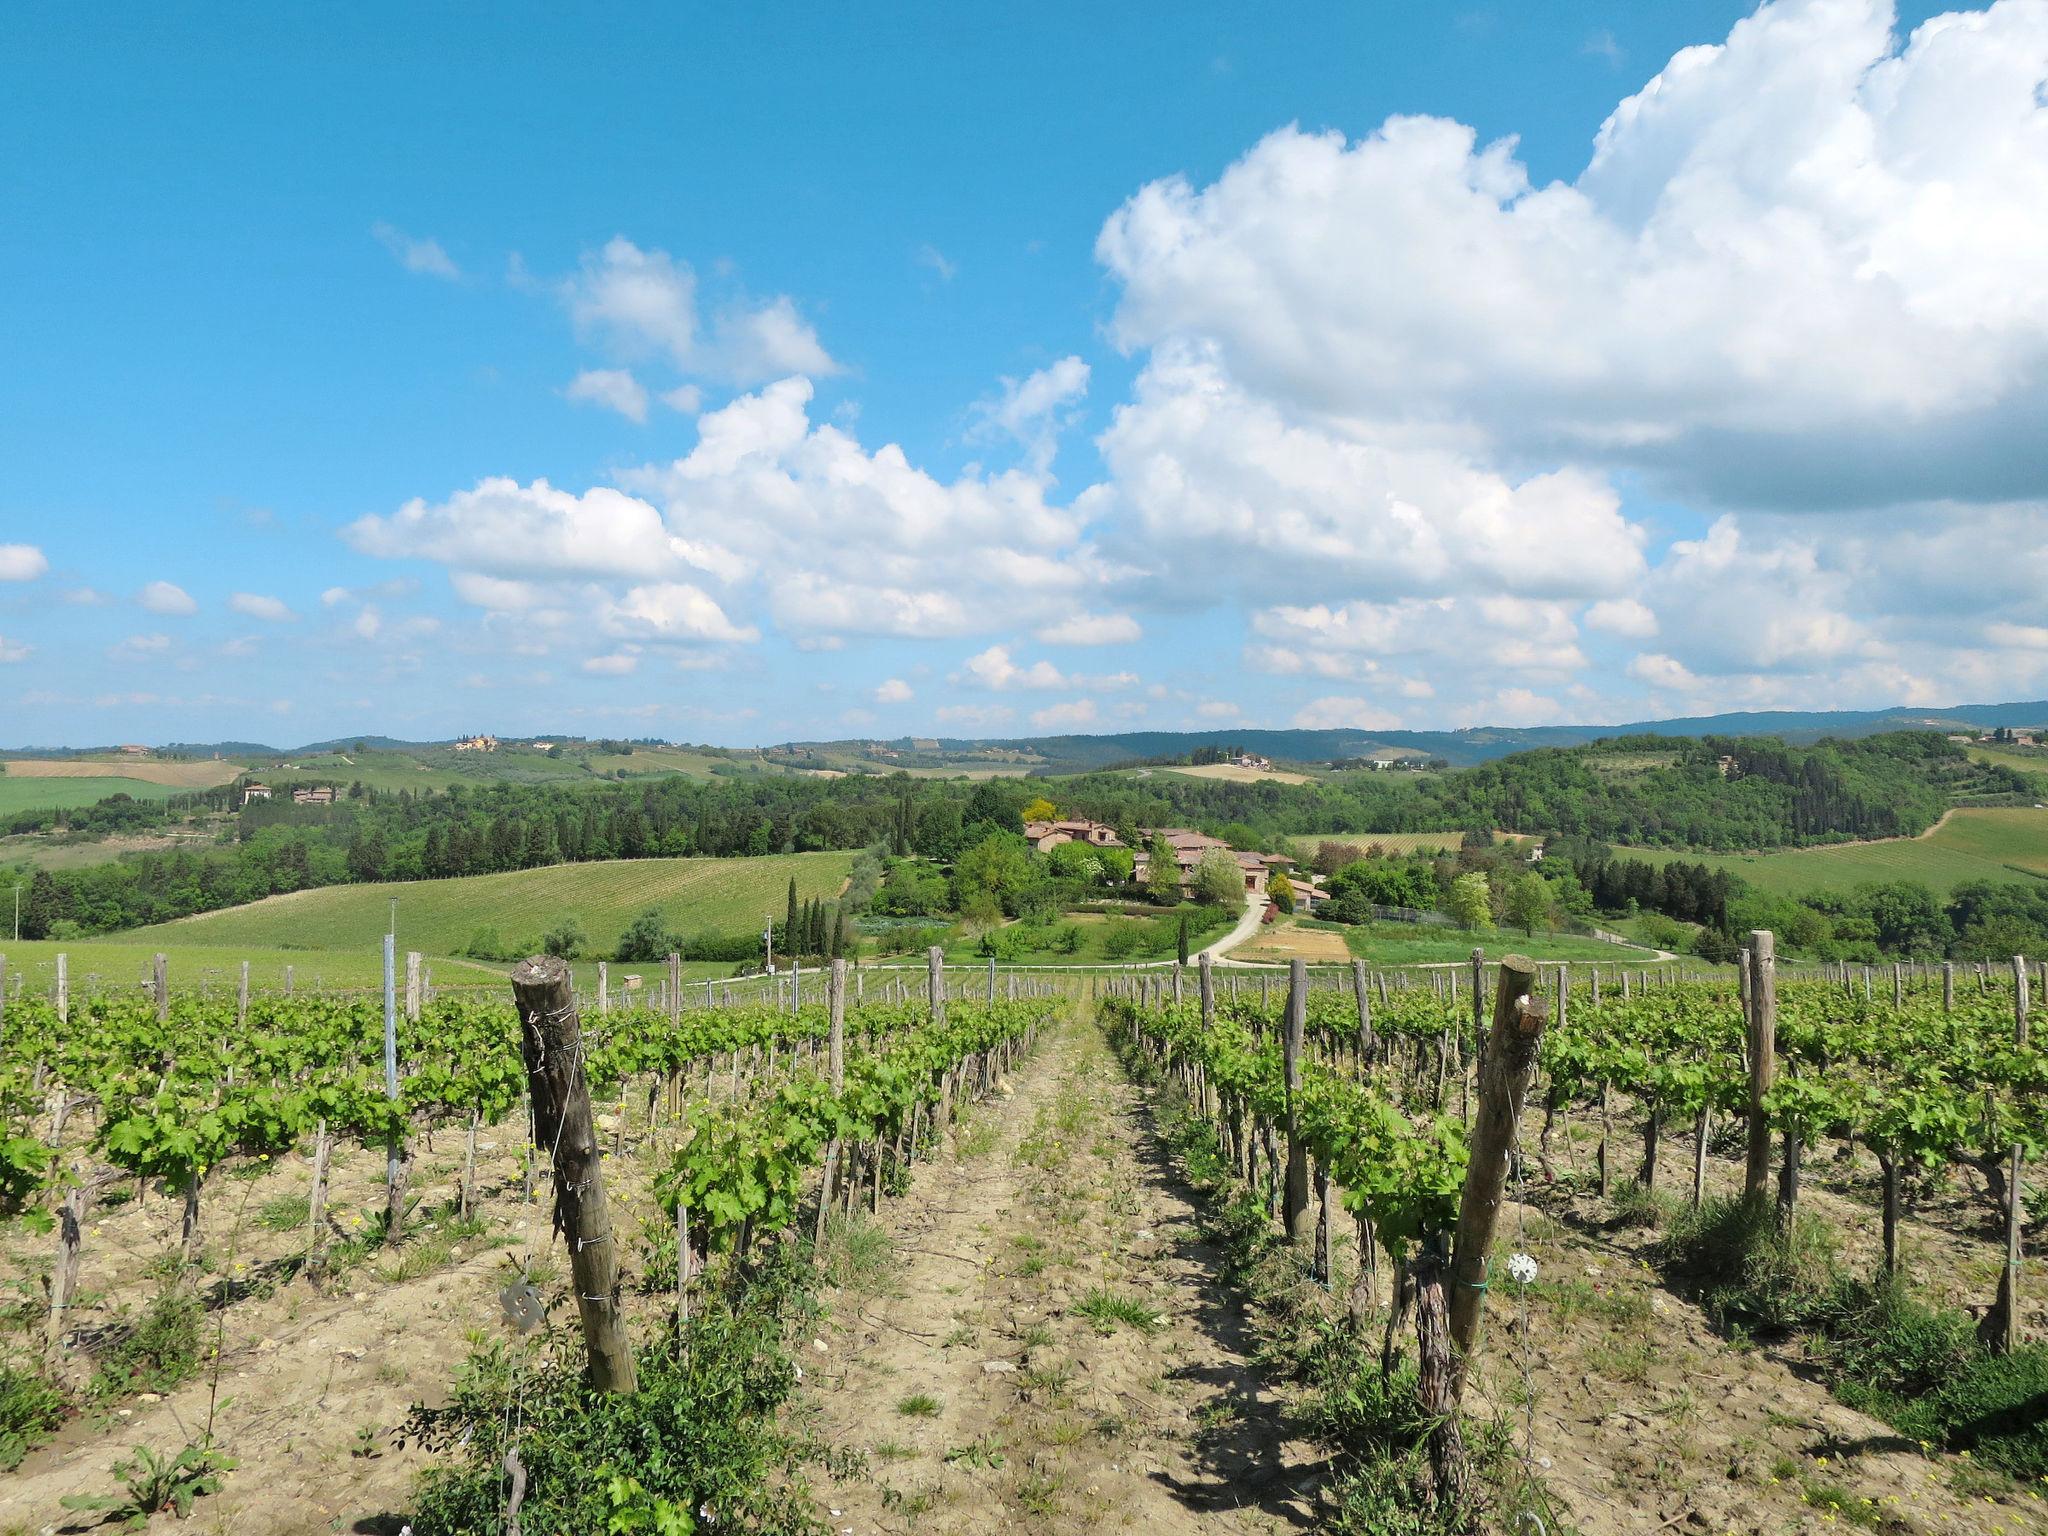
648 939
566 939
30 1407
159 1352
701 1433
1749 1273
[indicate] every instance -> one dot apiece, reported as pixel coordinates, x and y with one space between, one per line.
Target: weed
153 1483
919 1405
30 1407
284 1213
857 1256
986 1452
161 1351
1108 1310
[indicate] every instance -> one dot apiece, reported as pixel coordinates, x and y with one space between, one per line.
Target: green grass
126 962
1973 844
1041 944
725 896
1417 944
27 794
1304 845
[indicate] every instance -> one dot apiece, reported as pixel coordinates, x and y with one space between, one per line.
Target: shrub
701 1433
649 939
159 1352
1749 1272
30 1407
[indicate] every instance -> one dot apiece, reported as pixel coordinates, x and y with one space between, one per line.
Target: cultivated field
723 896
1236 775
178 775
1392 842
63 794
125 962
1971 844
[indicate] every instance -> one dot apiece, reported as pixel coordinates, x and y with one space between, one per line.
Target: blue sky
737 377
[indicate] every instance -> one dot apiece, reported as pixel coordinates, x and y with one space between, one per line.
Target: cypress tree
791 934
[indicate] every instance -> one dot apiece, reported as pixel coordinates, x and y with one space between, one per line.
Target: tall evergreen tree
791 933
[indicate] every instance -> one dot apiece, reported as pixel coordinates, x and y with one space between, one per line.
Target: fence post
835 1059
551 1041
1294 1199
1505 1072
1363 991
1999 1331
1763 1050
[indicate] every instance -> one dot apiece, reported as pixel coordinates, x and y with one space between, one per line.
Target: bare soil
964 1363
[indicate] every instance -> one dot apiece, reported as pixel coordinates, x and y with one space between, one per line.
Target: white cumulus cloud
21 562
615 389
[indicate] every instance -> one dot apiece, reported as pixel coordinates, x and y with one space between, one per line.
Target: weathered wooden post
551 1041
161 969
1205 981
415 986
1948 986
1363 995
395 1158
241 998
835 1057
1999 1330
63 989
287 981
1294 1199
604 987
1763 1054
1505 1073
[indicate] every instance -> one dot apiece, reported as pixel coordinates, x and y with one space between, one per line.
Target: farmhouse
1045 835
477 744
311 795
1256 764
252 792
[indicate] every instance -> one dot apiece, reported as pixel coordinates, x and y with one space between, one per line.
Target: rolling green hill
697 896
18 793
1970 844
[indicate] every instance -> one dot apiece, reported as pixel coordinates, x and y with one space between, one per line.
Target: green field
1421 944
25 794
1393 842
1039 944
697 896
108 964
1972 844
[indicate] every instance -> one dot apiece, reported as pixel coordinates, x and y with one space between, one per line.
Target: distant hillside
1080 754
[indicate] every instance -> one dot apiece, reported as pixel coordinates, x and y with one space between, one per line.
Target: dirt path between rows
1042 1338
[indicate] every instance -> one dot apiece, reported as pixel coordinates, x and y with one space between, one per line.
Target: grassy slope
1414 944
1989 844
25 794
696 896
1393 842
108 964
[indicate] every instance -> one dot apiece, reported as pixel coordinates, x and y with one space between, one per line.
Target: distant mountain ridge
1461 748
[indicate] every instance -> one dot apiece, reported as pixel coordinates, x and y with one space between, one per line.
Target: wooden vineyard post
1999 1331
1363 996
242 998
1294 1200
161 973
1504 1076
63 989
835 1005
394 1165
551 1041
414 986
1763 1050
1205 977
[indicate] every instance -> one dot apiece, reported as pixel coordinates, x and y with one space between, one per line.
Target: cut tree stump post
1999 1331
1294 1209
395 1158
551 1041
1504 1076
835 1060
1763 1054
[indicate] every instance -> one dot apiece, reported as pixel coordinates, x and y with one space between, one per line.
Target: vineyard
1490 1247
